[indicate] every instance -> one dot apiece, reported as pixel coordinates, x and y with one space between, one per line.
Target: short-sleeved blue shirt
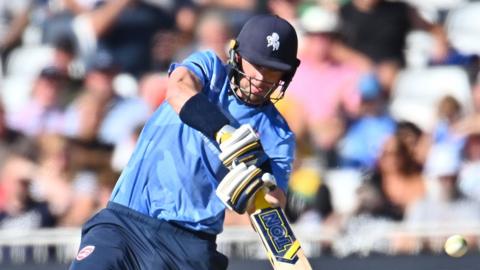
174 170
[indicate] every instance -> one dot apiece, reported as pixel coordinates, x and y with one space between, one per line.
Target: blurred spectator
123 150
476 94
91 187
323 91
212 32
14 18
153 88
65 59
469 178
85 114
11 141
64 53
125 27
165 48
129 36
83 199
237 12
106 181
396 182
402 178
99 113
42 113
444 134
363 140
152 91
374 34
17 208
449 112
416 141
51 181
444 206
286 9
469 128
185 21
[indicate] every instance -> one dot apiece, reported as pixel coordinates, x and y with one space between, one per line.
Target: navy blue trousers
120 238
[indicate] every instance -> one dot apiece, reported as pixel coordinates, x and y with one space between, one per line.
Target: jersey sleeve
279 143
282 161
202 64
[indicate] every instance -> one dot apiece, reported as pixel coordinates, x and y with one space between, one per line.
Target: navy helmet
267 41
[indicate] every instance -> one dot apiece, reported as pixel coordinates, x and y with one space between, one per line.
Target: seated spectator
65 59
396 182
469 129
115 117
123 150
84 194
323 93
17 208
449 112
42 113
469 178
361 145
91 189
51 182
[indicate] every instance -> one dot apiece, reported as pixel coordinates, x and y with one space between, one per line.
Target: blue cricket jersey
174 170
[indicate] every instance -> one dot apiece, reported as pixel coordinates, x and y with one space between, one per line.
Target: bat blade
283 249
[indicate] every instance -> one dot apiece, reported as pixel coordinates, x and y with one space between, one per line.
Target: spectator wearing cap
108 116
65 59
324 91
42 113
361 145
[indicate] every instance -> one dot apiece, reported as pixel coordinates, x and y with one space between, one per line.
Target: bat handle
259 201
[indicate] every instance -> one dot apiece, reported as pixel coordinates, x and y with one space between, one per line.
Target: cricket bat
283 249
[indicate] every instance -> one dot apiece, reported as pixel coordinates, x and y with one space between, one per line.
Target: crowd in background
385 105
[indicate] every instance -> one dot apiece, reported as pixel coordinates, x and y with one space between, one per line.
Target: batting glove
241 184
240 145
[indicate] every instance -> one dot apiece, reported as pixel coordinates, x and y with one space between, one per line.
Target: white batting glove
241 184
240 145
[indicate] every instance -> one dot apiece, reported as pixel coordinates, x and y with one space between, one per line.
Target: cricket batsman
213 144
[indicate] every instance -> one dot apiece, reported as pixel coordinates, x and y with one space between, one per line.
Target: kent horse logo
279 236
274 41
